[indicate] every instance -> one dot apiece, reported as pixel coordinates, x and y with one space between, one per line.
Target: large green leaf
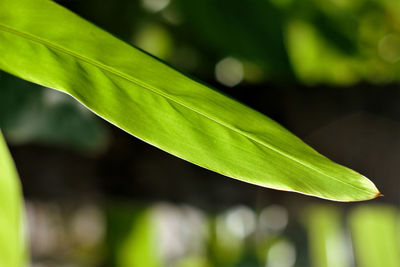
46 44
12 236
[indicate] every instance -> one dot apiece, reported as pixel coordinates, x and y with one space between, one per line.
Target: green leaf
47 44
12 236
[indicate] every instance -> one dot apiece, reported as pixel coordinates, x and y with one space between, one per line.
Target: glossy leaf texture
45 43
12 234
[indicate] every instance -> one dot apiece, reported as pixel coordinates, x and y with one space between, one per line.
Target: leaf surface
44 43
12 239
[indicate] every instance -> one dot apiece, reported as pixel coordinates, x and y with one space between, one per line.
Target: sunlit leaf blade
12 238
46 44
375 235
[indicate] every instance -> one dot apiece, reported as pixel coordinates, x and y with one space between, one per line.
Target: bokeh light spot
155 5
155 39
281 254
241 221
229 71
274 218
389 48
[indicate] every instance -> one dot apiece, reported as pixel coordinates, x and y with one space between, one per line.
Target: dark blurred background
329 71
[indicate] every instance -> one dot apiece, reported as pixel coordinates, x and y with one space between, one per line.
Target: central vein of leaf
148 87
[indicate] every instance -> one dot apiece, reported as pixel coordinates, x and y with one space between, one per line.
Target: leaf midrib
102 66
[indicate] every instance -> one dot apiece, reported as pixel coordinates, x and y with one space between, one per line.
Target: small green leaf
44 43
12 236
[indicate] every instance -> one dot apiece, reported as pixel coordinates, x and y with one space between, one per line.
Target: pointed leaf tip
166 108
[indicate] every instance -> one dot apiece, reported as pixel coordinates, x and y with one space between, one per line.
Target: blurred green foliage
182 236
328 246
137 245
33 114
376 232
332 42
